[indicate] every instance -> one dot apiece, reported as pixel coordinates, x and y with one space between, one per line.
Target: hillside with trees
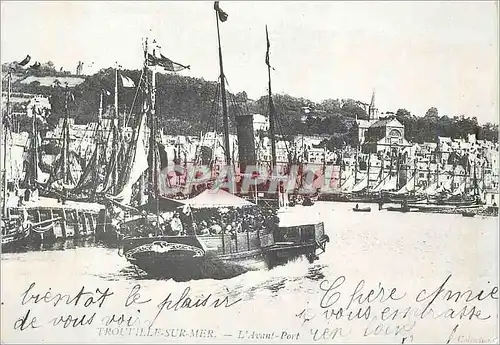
187 106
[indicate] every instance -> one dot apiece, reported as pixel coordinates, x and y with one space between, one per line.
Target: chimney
246 141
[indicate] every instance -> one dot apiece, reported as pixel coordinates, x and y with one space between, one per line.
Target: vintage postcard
249 172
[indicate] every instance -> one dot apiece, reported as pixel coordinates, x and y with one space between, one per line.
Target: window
394 133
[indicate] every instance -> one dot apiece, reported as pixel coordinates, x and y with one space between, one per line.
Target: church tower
372 110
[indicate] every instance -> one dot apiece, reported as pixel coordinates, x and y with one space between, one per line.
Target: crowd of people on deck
212 222
206 222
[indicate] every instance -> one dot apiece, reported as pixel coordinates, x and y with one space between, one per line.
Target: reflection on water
315 273
126 273
276 286
58 244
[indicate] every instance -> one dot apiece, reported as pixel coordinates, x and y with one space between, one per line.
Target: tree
432 113
336 142
241 97
350 108
330 105
403 113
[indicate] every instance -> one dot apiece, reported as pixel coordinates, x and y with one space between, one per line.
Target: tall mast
340 169
466 176
115 134
324 161
35 148
476 187
153 183
271 109
415 175
65 140
142 180
437 173
398 162
356 165
65 144
437 167
98 143
153 141
452 177
368 172
429 172
482 172
116 93
100 108
3 131
223 95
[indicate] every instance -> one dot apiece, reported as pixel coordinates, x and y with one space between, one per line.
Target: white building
260 122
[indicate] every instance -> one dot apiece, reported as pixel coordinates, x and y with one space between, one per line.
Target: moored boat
51 219
402 209
362 209
15 233
398 209
468 214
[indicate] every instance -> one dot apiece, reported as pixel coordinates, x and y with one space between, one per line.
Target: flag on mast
156 58
127 82
25 61
268 46
222 15
166 63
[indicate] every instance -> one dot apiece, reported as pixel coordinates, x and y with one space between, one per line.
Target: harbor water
406 251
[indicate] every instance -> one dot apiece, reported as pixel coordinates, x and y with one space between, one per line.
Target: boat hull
411 199
185 258
401 209
364 209
14 240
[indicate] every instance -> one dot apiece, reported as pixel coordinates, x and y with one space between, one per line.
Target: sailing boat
171 245
346 182
41 217
15 230
459 197
410 192
360 192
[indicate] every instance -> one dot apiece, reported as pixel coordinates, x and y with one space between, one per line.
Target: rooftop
386 122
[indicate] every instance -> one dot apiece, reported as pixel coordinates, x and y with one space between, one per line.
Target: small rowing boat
362 209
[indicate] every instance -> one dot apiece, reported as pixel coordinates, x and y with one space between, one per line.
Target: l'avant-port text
285 335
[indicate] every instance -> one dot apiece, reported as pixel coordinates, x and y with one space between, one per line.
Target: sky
415 55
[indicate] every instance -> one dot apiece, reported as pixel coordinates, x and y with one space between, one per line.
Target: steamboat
170 238
197 252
